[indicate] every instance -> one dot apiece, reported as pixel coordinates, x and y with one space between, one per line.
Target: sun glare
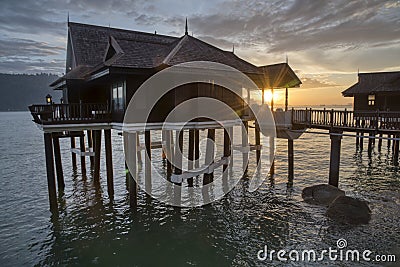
268 96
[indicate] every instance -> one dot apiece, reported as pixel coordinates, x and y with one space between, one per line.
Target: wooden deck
70 113
344 120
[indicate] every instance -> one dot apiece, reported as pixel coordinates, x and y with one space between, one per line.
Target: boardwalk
378 122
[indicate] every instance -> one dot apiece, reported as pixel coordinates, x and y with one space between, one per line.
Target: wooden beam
73 155
51 181
57 158
82 147
109 164
97 152
209 177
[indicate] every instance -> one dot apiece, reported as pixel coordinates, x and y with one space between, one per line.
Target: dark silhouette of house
107 65
376 91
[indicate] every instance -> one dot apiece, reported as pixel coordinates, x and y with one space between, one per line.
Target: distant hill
18 91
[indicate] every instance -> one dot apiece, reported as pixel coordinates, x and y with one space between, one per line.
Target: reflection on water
90 229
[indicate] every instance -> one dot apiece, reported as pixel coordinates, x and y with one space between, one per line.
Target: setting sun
268 96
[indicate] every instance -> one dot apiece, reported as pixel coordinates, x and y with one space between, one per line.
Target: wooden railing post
331 122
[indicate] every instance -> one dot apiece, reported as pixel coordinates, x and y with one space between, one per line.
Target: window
371 100
118 96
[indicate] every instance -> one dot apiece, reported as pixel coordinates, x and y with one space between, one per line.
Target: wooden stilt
362 141
168 151
388 141
82 145
370 144
258 142
147 141
380 142
245 144
89 134
109 164
357 141
73 155
227 147
97 152
132 158
290 161
139 154
51 181
334 159
196 148
396 151
191 155
230 130
57 158
209 177
178 153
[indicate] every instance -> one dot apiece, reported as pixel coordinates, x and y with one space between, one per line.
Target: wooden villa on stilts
104 68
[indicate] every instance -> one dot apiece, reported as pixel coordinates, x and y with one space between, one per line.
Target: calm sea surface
91 230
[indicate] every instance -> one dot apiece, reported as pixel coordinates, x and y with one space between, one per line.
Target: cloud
15 47
315 83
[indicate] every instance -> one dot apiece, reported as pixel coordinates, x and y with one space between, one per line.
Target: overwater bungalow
105 67
376 91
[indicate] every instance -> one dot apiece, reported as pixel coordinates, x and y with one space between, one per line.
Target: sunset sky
326 42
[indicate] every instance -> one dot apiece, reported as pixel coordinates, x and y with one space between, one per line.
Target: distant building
107 65
376 91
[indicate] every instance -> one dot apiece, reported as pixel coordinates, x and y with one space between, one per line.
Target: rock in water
323 194
349 210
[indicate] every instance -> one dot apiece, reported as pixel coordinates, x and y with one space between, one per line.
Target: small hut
376 91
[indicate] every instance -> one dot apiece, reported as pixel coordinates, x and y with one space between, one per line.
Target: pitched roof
95 47
146 50
280 76
374 82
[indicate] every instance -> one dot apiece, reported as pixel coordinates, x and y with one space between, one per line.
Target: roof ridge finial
233 48
68 17
186 27
287 59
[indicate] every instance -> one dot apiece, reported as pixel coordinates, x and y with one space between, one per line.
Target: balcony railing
70 113
369 120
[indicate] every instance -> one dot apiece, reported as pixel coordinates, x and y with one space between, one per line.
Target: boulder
349 210
322 194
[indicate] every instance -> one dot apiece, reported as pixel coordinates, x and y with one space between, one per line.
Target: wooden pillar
51 181
57 158
336 141
73 155
245 144
132 171
362 141
370 144
396 151
388 141
290 161
380 142
196 148
209 177
138 153
147 141
168 151
357 141
89 134
97 152
109 164
191 154
258 142
286 99
227 147
82 145
178 153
